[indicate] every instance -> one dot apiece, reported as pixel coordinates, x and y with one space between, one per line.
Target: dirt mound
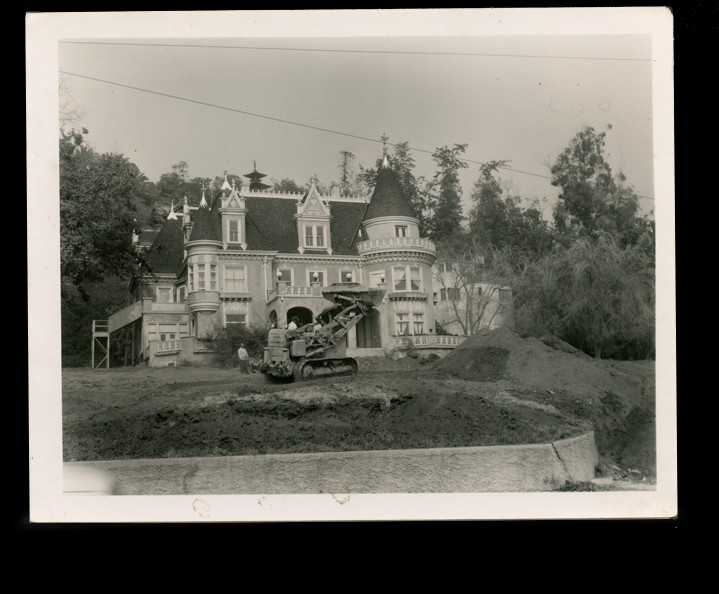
612 395
549 363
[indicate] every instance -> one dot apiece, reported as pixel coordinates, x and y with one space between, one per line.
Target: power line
283 121
349 51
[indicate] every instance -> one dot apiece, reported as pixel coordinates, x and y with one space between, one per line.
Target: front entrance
304 315
368 332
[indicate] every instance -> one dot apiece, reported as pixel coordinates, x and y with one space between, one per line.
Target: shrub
226 341
596 295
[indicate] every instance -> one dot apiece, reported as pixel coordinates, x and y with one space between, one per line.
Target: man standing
244 359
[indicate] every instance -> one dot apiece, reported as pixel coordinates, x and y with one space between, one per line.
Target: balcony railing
286 290
396 242
169 346
428 340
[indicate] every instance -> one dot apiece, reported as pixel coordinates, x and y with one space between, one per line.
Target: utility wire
350 51
283 121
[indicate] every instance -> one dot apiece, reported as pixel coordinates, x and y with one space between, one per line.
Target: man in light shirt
244 359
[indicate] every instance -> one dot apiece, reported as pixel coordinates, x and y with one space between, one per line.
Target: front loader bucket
369 297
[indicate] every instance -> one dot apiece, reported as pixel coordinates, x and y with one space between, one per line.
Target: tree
591 200
500 221
476 288
98 198
596 294
287 185
174 186
444 198
346 175
94 300
70 112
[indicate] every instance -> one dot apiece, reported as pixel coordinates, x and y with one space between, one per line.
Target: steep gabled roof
270 225
167 251
388 199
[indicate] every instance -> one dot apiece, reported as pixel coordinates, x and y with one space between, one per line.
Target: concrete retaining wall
519 468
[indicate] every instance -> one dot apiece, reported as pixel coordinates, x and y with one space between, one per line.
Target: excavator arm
342 322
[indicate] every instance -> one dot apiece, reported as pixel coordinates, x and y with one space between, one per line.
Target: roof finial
225 184
203 202
385 138
171 216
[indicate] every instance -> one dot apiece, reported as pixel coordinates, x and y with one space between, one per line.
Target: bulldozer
320 349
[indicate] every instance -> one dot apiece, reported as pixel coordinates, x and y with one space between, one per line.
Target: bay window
213 277
402 324
418 319
407 278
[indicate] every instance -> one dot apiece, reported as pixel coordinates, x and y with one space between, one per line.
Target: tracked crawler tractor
320 349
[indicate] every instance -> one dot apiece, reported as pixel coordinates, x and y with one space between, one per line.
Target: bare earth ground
496 389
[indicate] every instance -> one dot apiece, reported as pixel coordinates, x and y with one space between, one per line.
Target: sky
515 97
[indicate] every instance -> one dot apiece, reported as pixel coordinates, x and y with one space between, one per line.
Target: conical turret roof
205 226
388 199
166 253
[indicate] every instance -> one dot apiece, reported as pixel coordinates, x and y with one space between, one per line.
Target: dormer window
315 236
234 231
313 223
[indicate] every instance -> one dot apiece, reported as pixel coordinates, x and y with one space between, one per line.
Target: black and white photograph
351 265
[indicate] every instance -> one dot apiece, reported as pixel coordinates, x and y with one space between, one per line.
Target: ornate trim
235 297
395 256
385 243
409 296
299 195
238 255
312 258
390 219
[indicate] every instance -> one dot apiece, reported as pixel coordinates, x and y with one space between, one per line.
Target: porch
187 350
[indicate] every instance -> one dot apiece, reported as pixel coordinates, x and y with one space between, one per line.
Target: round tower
203 247
398 260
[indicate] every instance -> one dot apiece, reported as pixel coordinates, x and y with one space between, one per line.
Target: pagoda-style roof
255 176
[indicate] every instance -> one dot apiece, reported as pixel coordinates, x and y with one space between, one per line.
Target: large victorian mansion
256 257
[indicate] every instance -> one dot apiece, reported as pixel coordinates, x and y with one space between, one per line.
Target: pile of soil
619 402
549 363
